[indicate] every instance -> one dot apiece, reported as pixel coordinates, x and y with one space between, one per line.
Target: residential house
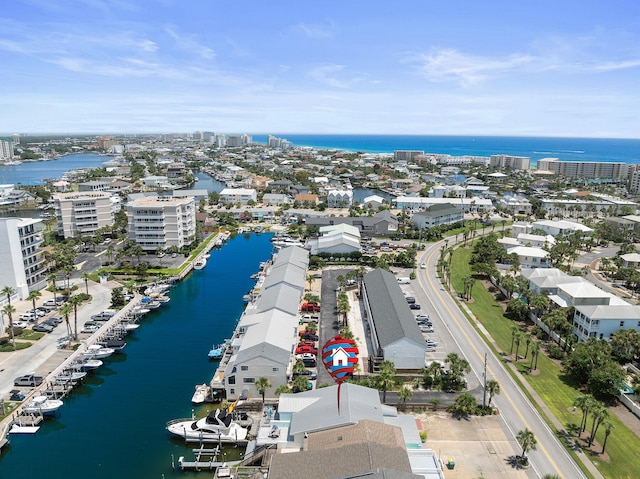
238 195
436 215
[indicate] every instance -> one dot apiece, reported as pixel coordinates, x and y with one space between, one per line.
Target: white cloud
189 44
450 64
329 75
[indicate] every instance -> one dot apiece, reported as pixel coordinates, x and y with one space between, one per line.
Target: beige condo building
82 213
162 222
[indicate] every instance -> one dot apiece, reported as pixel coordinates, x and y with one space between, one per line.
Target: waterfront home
238 195
336 239
383 223
82 213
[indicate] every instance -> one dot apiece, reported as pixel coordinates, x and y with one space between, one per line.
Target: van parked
404 280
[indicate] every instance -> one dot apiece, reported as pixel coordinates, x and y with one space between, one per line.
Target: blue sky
543 68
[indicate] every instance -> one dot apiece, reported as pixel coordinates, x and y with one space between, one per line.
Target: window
244 368
249 380
231 379
275 370
621 324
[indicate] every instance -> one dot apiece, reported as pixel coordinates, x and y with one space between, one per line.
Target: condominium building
585 169
511 162
6 150
23 264
82 213
238 195
162 222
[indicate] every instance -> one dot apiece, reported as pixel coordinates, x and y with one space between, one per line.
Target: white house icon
340 358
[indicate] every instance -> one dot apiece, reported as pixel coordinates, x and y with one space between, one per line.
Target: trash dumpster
450 464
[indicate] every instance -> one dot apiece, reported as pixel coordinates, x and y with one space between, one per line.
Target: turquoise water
568 149
114 426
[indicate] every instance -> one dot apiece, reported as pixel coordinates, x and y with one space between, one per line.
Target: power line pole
484 390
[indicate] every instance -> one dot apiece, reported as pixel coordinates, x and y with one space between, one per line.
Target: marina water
113 426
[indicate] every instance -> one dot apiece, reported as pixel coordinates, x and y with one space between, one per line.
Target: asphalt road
516 411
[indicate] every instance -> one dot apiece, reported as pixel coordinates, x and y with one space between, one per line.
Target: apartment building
510 162
162 222
238 195
21 255
82 213
6 150
586 169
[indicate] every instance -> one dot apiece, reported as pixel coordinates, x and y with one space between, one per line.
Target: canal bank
114 423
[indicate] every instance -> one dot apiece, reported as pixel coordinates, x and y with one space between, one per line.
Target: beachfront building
586 169
555 228
436 215
82 213
238 195
21 255
394 332
161 222
510 162
516 205
6 150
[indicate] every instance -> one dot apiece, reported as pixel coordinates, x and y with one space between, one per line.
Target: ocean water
114 425
567 149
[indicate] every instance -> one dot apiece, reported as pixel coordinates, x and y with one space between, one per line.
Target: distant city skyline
417 67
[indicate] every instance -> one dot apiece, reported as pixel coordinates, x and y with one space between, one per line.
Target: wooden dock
203 465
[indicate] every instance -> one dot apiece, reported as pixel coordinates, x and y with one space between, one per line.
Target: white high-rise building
6 150
23 264
162 222
82 213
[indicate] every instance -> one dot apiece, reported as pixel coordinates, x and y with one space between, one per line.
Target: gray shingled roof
392 317
317 409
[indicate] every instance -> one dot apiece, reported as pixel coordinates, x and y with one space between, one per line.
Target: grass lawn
557 390
8 347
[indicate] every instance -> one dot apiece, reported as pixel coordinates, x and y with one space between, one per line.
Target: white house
238 195
339 198
530 256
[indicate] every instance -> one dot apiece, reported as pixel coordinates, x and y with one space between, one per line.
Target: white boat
216 427
201 394
70 376
200 264
88 364
96 351
163 299
42 405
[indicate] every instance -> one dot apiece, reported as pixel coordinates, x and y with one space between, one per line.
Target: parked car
426 329
42 328
306 356
307 372
310 336
51 322
20 324
309 362
431 342
28 380
414 306
307 349
55 319
15 395
422 316
410 299
50 303
103 316
28 316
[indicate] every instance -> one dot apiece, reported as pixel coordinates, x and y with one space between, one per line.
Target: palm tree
282 389
535 350
514 333
527 340
33 296
385 377
527 441
52 278
405 394
68 269
599 413
9 309
86 277
75 301
65 310
262 384
8 291
608 427
493 388
584 402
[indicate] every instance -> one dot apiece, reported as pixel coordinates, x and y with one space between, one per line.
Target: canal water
114 425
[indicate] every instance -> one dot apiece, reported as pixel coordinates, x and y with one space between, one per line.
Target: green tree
300 384
65 310
33 297
535 350
86 277
52 278
262 384
9 310
464 405
282 389
584 402
517 310
527 441
598 413
75 301
608 427
493 389
458 367
385 379
405 395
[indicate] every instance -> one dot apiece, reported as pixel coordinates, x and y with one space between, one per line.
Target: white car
423 265
422 316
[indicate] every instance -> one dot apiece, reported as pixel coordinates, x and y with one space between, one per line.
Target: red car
310 307
302 344
306 349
